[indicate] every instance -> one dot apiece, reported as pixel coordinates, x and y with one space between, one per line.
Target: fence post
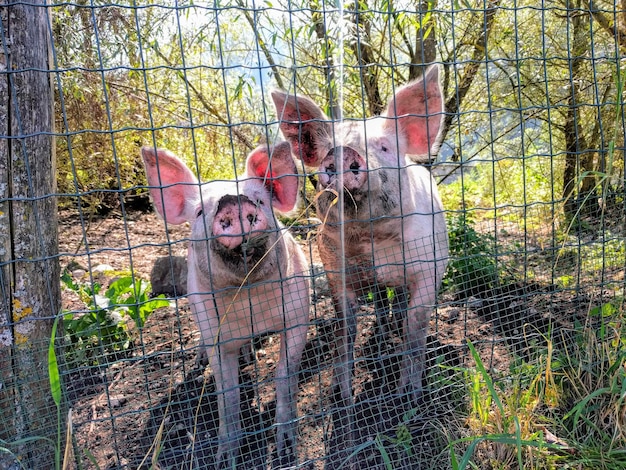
29 268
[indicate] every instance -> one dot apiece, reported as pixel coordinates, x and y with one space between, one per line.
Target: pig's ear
175 202
303 124
417 112
275 166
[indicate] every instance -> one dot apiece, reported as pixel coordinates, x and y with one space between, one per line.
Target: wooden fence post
29 268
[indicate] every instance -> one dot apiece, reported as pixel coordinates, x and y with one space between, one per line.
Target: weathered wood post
29 268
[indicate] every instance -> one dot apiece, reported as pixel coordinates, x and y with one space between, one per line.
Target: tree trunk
29 272
425 51
326 61
578 157
470 70
362 49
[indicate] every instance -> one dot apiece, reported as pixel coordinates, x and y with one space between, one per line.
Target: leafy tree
537 83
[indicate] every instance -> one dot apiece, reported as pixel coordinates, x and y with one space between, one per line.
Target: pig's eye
199 213
383 144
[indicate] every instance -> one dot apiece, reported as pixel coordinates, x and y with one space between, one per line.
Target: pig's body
246 276
383 222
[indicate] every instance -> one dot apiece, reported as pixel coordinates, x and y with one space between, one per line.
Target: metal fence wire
312 234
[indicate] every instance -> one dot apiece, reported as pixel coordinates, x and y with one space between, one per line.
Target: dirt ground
157 407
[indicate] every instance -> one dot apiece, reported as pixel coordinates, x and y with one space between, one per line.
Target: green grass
566 408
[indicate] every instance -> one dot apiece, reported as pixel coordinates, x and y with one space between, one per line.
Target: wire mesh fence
385 235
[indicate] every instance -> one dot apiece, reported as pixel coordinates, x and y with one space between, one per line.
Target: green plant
55 388
102 331
402 440
507 419
593 380
473 267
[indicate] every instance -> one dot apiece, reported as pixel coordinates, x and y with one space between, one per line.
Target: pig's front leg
292 344
381 307
399 308
225 366
202 358
421 303
343 406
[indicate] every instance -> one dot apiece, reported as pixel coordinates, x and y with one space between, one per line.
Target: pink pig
246 276
383 221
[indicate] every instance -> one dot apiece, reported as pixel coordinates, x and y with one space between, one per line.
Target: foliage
473 269
505 419
561 408
529 183
103 331
153 77
120 87
593 378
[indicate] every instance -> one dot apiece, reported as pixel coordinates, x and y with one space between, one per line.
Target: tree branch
478 57
262 45
617 31
212 110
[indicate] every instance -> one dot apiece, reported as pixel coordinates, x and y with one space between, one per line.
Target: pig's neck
360 208
232 271
355 237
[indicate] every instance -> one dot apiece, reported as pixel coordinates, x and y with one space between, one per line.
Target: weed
576 392
593 379
506 421
55 388
472 269
401 446
102 331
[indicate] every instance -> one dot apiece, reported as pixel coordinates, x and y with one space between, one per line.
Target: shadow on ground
182 431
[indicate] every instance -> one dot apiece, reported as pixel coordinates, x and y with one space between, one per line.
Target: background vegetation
531 92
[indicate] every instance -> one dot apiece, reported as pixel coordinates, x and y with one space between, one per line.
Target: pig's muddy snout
239 224
349 163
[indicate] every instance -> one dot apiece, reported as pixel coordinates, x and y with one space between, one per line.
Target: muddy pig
383 221
246 276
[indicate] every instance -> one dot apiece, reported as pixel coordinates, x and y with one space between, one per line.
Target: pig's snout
349 163
235 220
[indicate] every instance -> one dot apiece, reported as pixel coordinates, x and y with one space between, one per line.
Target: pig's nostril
225 223
354 166
251 219
331 168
